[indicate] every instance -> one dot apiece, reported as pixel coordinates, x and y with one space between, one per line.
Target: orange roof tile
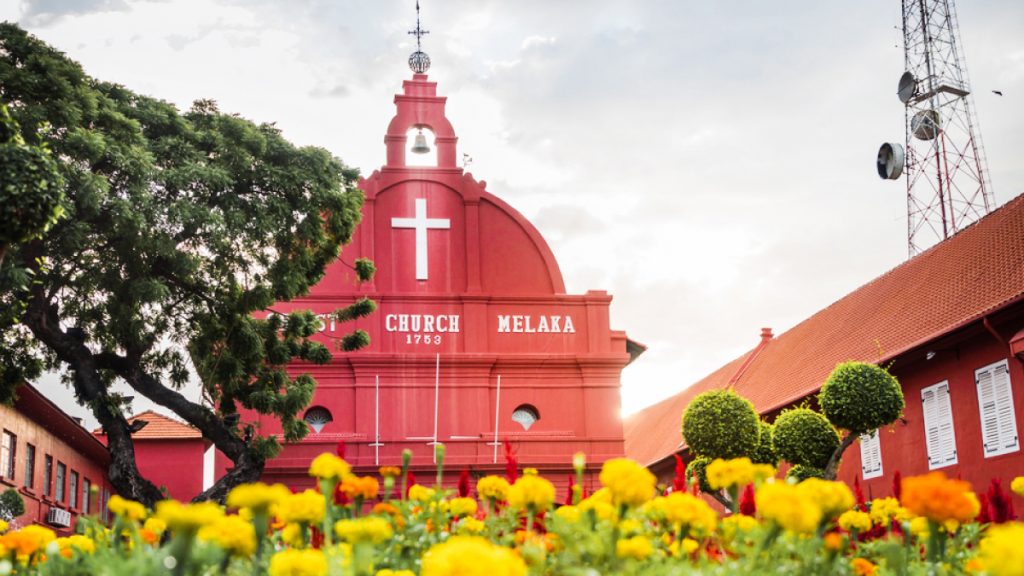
160 427
955 282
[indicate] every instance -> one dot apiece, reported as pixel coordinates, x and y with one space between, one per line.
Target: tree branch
833 463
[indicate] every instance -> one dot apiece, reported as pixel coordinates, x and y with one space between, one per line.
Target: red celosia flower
340 449
511 464
464 483
897 485
999 503
983 516
747 505
679 483
568 494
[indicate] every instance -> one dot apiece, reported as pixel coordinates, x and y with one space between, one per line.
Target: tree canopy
178 227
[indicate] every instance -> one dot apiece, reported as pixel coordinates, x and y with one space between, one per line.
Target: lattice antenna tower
947 178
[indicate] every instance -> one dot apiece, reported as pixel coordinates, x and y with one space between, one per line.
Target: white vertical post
437 391
376 418
497 404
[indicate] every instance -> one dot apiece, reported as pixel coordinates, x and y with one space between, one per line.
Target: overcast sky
710 164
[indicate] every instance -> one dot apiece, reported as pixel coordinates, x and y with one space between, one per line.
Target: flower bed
366 526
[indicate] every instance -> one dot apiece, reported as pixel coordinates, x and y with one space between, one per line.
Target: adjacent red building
168 453
56 465
949 324
475 340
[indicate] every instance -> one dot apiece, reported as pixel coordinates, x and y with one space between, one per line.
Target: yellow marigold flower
421 493
3 526
126 508
27 541
257 496
83 544
684 547
187 517
390 572
459 507
233 534
735 524
531 492
919 527
885 510
365 487
855 521
294 562
1018 486
628 482
629 526
530 472
788 507
1000 552
637 547
737 472
373 529
389 471
306 507
329 466
155 525
691 513
833 498
291 535
493 488
602 509
471 556
763 472
863 567
937 498
602 495
568 513
471 525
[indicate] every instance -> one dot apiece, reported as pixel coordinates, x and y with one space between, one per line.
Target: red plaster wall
28 431
174 465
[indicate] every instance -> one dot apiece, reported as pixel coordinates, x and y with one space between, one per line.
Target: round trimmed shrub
800 473
699 466
720 424
804 437
764 453
861 397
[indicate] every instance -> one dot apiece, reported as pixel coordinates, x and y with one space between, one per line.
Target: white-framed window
8 448
995 401
938 426
870 455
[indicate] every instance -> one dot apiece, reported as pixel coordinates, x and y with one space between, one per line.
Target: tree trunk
42 319
832 468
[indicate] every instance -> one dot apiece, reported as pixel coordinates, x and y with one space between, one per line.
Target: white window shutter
870 455
938 426
995 402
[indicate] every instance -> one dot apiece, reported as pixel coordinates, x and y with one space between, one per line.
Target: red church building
948 323
475 340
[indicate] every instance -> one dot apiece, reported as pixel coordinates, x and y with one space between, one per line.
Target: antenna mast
947 179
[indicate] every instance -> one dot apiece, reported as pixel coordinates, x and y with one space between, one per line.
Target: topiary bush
720 424
800 473
764 453
804 437
11 505
699 466
861 397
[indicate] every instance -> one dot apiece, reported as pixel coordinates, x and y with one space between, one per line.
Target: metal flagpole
497 404
437 389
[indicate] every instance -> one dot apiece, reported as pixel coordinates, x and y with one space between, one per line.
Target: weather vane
419 62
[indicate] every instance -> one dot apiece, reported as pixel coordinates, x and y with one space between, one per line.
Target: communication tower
943 157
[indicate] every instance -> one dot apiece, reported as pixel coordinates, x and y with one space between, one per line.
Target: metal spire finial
419 62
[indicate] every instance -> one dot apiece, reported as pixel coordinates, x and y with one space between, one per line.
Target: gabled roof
954 283
34 405
160 427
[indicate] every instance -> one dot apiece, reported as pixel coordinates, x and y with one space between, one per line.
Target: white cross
421 224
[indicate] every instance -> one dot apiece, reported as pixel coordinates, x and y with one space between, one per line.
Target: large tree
178 228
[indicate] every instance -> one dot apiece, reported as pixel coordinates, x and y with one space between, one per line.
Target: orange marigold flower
864 567
833 541
390 471
365 487
939 499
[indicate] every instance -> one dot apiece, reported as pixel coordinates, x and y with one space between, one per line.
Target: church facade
475 343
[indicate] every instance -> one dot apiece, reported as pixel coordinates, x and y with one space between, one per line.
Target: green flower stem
327 488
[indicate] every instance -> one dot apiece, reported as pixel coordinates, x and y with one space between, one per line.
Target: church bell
419 145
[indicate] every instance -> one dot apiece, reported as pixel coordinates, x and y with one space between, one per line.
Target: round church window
317 417
525 415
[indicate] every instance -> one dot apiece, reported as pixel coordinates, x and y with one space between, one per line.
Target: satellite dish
925 125
890 161
907 87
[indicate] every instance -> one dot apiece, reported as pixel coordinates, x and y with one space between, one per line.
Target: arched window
526 415
317 417
420 147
